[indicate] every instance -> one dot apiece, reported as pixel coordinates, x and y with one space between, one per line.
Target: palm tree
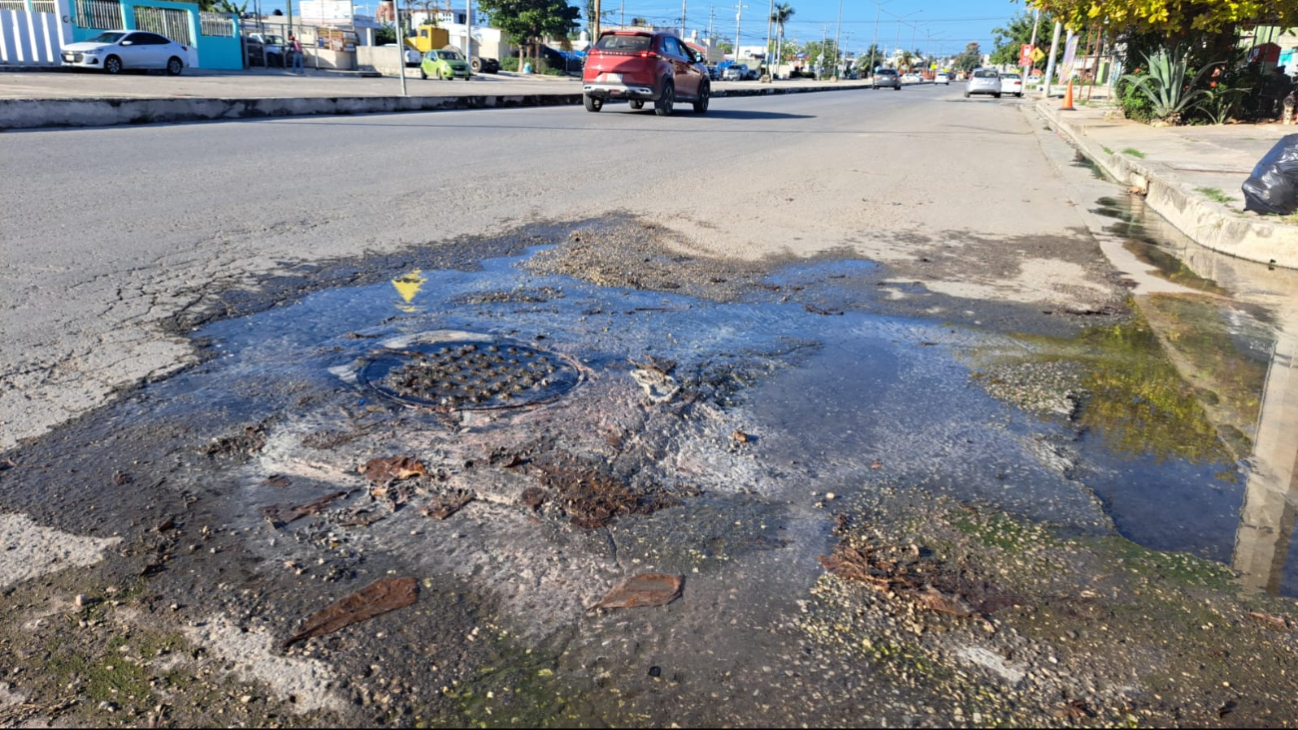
782 13
904 60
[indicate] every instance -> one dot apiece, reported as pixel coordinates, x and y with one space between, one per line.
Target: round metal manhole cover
469 374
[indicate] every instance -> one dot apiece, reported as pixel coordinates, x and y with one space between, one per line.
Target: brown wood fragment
376 599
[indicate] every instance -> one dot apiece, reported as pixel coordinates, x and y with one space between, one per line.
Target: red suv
642 66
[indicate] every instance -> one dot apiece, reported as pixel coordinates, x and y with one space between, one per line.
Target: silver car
117 50
983 81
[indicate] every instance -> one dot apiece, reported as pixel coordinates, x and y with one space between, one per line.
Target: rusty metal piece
646 589
376 599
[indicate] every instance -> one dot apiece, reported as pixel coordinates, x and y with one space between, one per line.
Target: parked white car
983 81
1012 83
942 79
115 51
912 79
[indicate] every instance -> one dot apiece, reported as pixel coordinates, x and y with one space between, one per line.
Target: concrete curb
1206 222
44 113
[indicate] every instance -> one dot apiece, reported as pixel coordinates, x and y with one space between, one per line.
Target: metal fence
216 24
15 5
45 6
100 14
172 23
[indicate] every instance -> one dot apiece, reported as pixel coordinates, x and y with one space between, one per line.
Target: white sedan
942 79
911 79
115 51
1012 83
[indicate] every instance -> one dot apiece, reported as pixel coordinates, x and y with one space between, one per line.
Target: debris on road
385 470
277 480
444 505
250 441
282 514
644 590
376 599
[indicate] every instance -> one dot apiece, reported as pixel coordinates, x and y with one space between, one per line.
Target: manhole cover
469 374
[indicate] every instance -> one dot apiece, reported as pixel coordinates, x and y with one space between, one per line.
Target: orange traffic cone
1068 98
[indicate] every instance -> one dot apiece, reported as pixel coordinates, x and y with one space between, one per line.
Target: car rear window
887 72
628 43
1012 76
984 74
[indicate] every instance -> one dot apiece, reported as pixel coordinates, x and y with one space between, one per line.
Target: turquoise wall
213 52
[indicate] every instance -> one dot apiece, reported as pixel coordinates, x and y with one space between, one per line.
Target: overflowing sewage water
567 434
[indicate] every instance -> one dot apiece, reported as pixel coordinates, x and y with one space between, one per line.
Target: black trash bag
1273 186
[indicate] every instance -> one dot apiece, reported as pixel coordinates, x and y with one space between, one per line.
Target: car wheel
637 104
592 104
113 65
897 87
705 94
997 95
1019 95
476 65
174 66
666 101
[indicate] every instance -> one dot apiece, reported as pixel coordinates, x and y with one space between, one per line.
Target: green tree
527 22
783 11
814 51
1172 18
870 59
1015 34
970 59
904 61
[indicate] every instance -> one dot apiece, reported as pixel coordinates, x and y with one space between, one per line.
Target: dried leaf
534 497
646 589
376 599
277 480
389 469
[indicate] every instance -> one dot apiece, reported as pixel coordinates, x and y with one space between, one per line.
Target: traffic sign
1026 54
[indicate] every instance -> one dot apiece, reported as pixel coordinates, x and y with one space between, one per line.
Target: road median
100 112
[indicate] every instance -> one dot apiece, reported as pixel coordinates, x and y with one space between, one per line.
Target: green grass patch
1107 150
1134 153
1215 195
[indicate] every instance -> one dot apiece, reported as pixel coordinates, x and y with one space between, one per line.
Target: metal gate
172 23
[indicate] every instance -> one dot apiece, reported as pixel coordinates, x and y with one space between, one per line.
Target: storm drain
469 375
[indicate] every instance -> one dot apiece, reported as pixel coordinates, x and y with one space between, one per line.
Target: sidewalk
57 99
1184 172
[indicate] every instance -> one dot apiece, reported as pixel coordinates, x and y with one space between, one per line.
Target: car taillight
647 54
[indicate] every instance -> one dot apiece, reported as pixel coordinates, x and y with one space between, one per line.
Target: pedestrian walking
296 45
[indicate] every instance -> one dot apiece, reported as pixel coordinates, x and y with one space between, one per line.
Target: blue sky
945 26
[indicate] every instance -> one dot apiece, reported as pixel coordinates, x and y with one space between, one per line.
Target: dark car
485 65
886 77
641 66
569 63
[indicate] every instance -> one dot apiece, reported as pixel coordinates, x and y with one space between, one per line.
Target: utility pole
595 24
769 76
1050 65
739 14
682 19
712 16
838 37
468 35
401 40
623 23
824 41
874 47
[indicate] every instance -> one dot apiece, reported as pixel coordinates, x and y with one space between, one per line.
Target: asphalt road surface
109 232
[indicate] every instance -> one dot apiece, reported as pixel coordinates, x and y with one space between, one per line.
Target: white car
942 79
911 79
1012 83
413 57
983 81
115 51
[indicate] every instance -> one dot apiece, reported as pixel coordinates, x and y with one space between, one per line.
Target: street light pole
401 44
739 15
468 35
838 35
769 76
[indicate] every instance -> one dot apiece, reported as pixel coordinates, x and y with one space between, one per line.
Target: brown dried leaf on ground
282 514
861 565
386 470
445 505
376 599
646 589
252 440
534 497
944 602
1279 622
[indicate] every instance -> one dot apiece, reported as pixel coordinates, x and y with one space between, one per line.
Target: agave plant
1219 103
1165 86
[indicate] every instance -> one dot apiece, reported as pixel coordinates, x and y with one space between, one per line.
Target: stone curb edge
1206 222
46 113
